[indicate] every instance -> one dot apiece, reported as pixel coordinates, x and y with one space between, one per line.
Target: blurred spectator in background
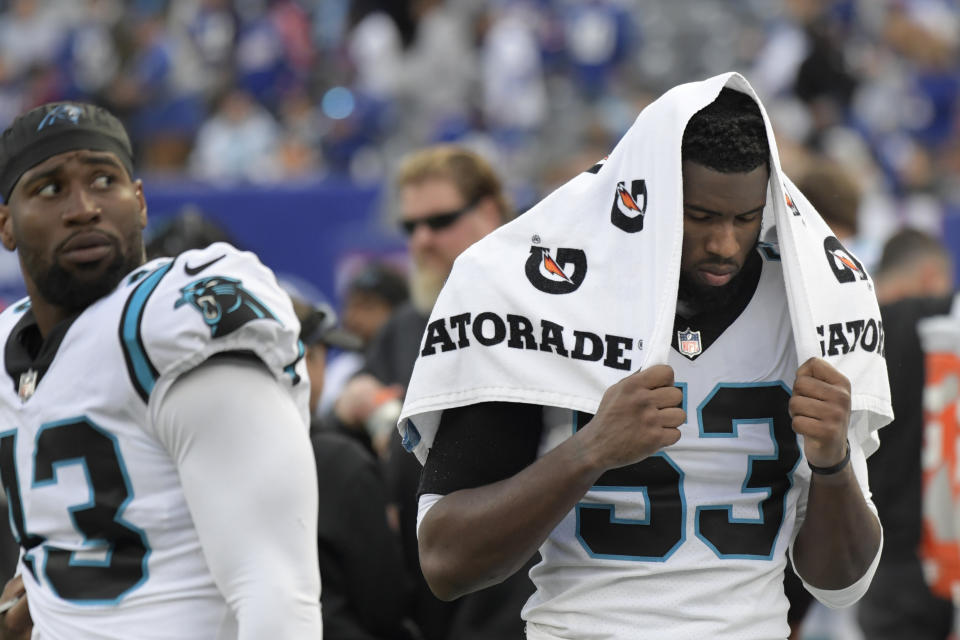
913 264
319 333
514 85
365 591
266 65
833 190
375 46
899 603
238 142
371 297
914 281
31 34
448 198
440 71
210 29
157 89
824 81
89 58
599 35
298 154
190 229
872 84
835 196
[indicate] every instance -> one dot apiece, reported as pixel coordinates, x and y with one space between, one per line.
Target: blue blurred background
282 119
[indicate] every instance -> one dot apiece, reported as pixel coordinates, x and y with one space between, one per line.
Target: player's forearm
257 530
475 538
840 536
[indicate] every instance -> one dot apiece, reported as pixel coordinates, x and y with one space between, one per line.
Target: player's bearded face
722 216
77 286
77 220
706 298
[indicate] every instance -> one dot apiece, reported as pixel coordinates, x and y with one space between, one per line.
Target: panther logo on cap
61 113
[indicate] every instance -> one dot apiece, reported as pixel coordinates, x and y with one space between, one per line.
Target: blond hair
473 176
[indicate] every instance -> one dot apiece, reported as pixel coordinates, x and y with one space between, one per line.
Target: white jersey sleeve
209 301
257 530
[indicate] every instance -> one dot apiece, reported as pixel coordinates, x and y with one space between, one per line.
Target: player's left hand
820 408
15 623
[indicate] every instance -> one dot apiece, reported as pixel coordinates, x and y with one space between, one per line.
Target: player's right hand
637 417
15 623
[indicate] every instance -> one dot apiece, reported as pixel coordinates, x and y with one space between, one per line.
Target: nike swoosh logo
192 271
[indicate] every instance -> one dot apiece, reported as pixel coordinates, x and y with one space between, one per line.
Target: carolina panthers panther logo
224 303
65 113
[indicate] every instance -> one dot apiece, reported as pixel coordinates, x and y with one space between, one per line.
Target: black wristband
826 471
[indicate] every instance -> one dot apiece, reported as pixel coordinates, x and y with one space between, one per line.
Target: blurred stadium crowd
864 96
278 90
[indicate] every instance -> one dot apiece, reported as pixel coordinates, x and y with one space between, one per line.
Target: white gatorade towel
580 291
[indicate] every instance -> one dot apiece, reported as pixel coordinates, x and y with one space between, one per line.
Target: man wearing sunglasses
447 198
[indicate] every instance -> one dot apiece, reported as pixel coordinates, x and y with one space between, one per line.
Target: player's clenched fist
637 417
820 408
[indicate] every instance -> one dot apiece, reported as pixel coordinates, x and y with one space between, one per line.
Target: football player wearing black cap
154 452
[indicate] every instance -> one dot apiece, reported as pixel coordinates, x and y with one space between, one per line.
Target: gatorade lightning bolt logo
790 203
551 266
564 274
845 267
629 206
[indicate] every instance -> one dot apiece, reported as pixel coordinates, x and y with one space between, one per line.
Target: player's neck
46 314
73 297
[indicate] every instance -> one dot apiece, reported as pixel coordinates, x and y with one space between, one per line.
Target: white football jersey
109 549
690 543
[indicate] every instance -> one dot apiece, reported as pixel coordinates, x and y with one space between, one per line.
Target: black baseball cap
320 326
379 280
54 128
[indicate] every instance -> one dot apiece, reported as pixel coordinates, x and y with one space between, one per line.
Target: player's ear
142 213
6 228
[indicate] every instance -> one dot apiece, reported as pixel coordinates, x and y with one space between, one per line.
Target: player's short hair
55 128
728 135
473 176
909 246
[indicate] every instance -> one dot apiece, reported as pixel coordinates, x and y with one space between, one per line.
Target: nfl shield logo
689 342
28 384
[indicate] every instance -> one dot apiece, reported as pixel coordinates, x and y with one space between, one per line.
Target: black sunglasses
437 221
